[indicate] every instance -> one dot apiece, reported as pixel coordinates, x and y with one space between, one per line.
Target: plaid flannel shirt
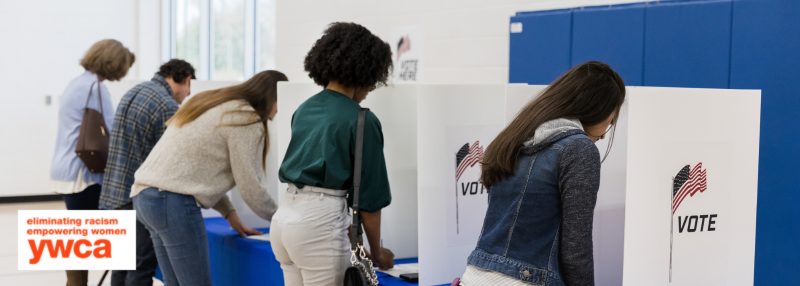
141 119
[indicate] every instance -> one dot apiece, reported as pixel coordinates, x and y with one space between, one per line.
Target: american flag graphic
403 46
686 183
466 157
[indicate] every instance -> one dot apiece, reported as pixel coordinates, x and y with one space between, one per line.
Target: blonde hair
260 91
109 59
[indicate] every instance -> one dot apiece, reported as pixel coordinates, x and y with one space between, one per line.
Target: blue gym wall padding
613 35
766 55
541 52
743 44
687 44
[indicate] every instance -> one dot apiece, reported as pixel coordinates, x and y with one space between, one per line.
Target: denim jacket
538 226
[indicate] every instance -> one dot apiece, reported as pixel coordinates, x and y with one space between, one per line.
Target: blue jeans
146 261
179 236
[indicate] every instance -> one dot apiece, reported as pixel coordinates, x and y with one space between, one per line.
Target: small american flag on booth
685 184
467 156
403 46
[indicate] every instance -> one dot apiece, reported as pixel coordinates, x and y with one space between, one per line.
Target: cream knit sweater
206 160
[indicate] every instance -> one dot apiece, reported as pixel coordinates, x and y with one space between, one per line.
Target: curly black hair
177 69
351 55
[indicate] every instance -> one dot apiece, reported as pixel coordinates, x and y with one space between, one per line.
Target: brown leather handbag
93 138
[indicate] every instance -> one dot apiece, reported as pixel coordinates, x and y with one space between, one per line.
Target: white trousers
309 236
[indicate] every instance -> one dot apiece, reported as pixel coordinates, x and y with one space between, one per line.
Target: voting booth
677 200
692 165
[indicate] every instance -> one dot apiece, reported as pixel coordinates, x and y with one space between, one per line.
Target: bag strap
99 97
355 231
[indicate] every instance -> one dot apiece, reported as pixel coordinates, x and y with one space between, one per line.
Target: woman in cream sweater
216 141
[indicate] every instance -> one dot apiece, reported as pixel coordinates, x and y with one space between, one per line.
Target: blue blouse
65 164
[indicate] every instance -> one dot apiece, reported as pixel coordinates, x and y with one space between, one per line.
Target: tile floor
9 275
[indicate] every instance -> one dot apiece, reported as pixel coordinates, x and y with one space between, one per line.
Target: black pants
146 261
88 199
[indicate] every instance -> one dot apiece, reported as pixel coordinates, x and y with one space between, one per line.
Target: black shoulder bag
361 272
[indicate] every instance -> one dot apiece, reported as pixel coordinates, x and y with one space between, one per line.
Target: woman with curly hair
309 232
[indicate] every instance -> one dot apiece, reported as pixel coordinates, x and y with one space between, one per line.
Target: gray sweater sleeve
245 148
579 180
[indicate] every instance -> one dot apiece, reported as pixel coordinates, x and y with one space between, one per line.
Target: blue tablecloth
242 261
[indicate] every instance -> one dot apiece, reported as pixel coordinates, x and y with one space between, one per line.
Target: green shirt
322 149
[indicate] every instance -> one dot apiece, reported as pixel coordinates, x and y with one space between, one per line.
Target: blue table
241 261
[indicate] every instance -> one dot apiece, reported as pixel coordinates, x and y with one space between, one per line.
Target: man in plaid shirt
139 123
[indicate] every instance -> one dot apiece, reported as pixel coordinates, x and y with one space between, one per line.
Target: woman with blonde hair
78 185
216 141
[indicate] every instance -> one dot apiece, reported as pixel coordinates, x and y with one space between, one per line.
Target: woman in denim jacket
543 173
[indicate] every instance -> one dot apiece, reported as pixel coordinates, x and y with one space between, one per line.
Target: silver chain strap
370 271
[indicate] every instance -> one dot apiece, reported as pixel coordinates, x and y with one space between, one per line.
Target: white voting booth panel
395 107
694 151
451 207
498 105
660 130
691 186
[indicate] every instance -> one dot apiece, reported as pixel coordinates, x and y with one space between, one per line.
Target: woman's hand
382 257
385 260
236 224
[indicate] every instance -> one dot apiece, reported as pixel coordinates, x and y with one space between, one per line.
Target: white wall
466 41
41 43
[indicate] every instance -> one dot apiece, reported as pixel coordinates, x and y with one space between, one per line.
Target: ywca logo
686 184
76 239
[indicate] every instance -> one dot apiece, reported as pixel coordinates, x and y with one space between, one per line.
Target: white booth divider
447 114
701 145
661 130
692 166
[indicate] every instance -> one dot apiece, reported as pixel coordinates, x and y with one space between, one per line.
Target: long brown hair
261 91
589 92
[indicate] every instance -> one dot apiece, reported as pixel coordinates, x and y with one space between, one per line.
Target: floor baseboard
30 199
